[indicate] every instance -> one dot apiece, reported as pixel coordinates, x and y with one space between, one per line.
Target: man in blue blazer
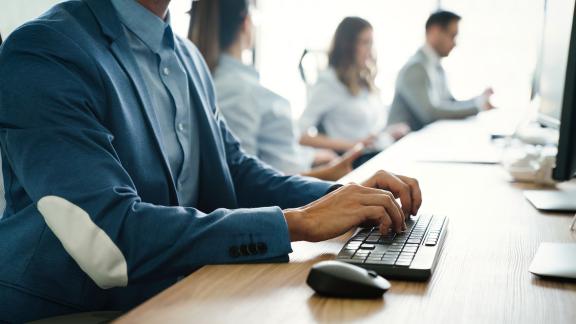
110 198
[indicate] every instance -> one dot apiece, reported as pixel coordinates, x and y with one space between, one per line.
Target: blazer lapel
111 27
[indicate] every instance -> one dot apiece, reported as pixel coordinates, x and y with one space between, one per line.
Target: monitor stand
552 200
555 261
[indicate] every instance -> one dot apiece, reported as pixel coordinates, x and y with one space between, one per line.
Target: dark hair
342 55
441 18
214 26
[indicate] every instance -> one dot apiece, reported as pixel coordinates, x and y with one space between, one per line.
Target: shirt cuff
334 187
480 102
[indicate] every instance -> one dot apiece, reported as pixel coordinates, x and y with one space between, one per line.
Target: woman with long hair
344 105
260 118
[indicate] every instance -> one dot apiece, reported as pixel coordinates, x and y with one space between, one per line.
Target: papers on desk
462 141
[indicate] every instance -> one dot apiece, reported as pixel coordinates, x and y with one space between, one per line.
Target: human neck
235 50
157 7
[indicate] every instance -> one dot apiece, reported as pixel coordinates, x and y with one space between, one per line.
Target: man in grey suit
422 95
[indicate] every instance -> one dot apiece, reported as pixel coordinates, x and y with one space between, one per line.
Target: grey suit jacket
412 102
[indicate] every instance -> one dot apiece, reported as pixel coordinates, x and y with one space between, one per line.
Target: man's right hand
342 210
397 131
486 95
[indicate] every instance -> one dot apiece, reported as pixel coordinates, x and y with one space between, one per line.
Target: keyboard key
413 241
359 257
403 263
367 246
355 261
346 253
372 239
383 262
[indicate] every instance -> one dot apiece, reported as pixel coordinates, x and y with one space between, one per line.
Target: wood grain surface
482 276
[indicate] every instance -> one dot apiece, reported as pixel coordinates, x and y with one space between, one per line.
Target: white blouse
341 115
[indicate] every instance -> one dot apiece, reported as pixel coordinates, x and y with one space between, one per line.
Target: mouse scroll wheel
372 274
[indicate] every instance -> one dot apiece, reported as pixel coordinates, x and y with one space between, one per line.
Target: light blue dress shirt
260 118
152 43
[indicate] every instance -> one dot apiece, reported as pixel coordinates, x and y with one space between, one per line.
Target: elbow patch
91 248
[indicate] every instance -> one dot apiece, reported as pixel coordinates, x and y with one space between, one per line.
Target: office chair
311 63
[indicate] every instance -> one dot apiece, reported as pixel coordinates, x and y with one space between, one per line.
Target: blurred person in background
260 118
422 95
344 105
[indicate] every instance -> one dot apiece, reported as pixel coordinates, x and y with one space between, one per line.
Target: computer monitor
557 81
566 157
554 60
557 91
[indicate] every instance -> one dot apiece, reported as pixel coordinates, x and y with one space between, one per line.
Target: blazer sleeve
414 86
64 159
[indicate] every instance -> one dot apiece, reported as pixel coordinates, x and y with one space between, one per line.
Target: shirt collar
148 27
431 54
228 62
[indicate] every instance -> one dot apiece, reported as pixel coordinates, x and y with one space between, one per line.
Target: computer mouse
340 279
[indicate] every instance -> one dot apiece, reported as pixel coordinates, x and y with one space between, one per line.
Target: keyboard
411 255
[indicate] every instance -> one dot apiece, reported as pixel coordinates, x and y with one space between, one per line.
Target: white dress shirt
260 118
339 114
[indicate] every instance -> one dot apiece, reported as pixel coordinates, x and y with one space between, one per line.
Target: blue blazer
76 123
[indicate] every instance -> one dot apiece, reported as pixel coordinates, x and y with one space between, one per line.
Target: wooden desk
482 276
